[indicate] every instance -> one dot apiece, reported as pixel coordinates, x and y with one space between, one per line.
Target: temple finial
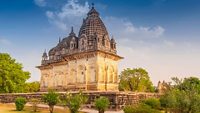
72 29
72 32
44 54
92 5
59 39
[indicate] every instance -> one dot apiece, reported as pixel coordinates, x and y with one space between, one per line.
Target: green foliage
12 77
32 87
19 103
135 80
153 102
184 97
129 109
101 104
140 108
168 100
51 98
74 102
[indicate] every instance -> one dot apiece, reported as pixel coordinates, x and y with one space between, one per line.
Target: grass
10 108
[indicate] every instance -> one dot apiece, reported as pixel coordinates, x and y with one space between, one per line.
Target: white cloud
168 43
160 62
71 14
4 41
40 3
123 28
150 48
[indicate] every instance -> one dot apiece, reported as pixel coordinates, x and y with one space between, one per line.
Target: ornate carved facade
87 61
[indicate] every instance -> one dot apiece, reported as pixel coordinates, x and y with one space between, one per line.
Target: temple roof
64 43
93 25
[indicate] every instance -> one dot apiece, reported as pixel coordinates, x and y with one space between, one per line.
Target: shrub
101 104
153 102
51 98
74 102
19 103
129 109
140 108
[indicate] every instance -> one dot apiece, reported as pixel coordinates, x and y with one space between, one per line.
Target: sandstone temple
84 61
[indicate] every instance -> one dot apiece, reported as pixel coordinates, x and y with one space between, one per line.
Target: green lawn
10 108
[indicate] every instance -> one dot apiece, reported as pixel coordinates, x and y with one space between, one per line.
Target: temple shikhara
84 61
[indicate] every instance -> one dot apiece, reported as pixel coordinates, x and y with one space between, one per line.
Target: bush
153 102
140 108
129 109
101 104
74 102
19 103
51 98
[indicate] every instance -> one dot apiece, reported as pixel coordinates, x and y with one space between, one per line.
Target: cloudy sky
162 36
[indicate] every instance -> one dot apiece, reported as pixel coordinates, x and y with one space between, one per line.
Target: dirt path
95 111
10 107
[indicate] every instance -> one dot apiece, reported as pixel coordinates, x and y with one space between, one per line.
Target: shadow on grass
23 111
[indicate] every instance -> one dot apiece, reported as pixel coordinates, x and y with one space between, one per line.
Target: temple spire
93 11
59 39
93 5
72 29
112 37
72 32
44 54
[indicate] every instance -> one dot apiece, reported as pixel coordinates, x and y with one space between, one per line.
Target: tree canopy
136 79
12 76
32 87
183 97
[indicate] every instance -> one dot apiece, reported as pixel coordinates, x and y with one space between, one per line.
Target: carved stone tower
88 61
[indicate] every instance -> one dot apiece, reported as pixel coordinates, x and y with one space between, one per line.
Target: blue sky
161 36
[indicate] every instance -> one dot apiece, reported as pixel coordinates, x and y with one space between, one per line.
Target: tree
184 97
12 76
32 87
136 79
74 102
101 104
168 100
51 98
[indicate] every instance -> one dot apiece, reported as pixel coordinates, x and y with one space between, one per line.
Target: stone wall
117 99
